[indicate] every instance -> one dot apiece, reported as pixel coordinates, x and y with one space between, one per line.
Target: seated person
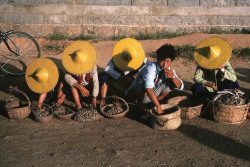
79 60
154 82
85 86
121 70
215 72
43 77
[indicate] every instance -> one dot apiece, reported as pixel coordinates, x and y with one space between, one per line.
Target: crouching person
154 82
79 60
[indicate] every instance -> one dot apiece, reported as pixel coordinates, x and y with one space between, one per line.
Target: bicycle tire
28 51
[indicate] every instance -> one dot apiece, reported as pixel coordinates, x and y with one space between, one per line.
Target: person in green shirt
213 72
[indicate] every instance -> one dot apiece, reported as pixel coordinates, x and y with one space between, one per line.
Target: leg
76 97
199 91
104 83
41 99
103 93
163 95
61 95
140 96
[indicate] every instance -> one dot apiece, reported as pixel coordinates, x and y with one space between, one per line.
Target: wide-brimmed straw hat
79 57
42 75
128 54
212 53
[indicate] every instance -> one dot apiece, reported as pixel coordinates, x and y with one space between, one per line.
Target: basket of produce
87 114
170 120
115 107
63 112
43 114
190 108
17 109
229 107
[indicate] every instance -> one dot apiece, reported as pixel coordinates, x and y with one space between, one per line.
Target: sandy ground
128 141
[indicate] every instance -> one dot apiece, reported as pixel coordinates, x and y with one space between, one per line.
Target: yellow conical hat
41 75
212 53
128 54
79 57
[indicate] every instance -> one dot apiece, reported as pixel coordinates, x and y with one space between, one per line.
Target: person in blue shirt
154 82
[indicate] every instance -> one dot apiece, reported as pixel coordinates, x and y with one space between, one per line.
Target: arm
199 79
152 96
229 73
110 70
170 73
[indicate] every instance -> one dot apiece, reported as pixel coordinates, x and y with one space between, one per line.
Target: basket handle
21 92
162 123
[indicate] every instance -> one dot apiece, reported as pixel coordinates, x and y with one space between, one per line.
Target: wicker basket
64 113
117 102
169 121
18 110
190 108
228 113
43 115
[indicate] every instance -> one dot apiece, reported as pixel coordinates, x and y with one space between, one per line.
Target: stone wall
122 17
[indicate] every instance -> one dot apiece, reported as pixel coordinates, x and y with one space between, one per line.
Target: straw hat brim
51 72
202 59
83 66
128 54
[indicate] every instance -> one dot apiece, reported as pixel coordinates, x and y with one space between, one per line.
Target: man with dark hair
156 80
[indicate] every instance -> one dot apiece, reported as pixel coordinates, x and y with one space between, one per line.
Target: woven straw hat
79 57
212 53
42 75
128 54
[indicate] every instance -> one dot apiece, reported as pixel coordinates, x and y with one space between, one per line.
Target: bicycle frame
5 37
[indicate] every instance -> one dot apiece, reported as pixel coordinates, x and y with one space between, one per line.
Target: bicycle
17 50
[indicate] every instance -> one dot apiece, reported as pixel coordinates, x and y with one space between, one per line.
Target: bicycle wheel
28 50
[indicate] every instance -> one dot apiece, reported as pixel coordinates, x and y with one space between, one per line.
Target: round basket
228 113
43 115
64 113
18 110
170 120
190 108
115 107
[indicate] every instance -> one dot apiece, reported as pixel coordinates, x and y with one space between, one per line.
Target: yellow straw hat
42 75
128 54
79 57
212 53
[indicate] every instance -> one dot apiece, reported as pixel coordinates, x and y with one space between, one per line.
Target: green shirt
203 75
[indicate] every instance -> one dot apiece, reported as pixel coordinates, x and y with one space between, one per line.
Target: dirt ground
128 141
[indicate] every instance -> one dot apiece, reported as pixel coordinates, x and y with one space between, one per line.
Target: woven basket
190 108
64 113
116 102
17 110
169 121
228 113
43 115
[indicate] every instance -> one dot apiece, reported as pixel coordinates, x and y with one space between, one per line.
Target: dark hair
166 51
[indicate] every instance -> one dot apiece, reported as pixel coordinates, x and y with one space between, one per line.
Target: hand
84 91
169 72
214 87
159 110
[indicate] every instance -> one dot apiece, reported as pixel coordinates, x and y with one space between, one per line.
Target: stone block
26 2
62 19
64 2
3 1
239 2
149 2
2 18
183 3
25 19
214 3
105 2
